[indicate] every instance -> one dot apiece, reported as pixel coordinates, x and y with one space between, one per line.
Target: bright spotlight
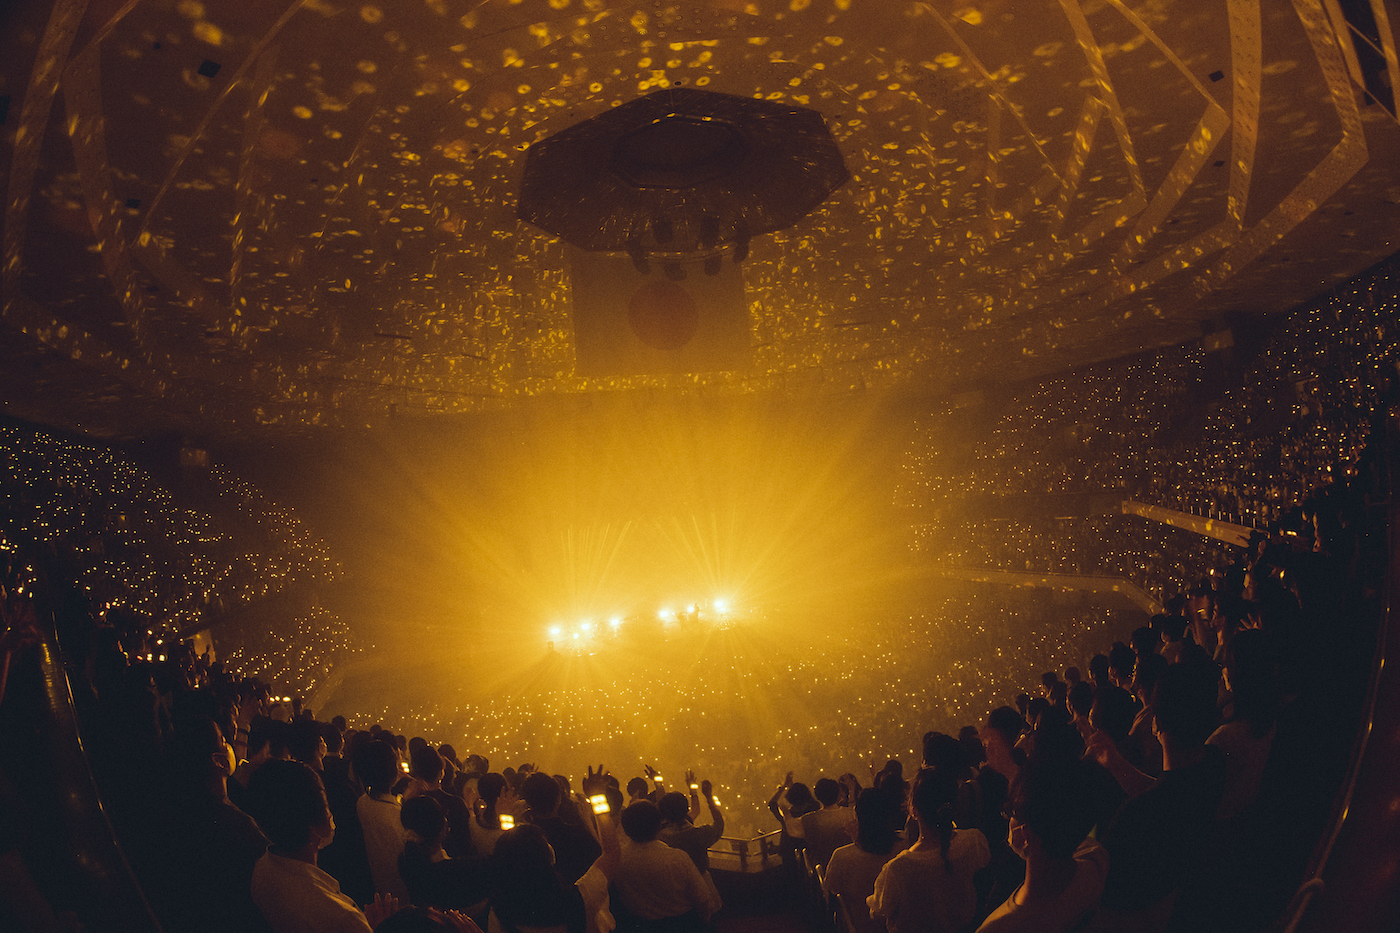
556 631
615 621
690 609
586 626
721 605
576 636
664 614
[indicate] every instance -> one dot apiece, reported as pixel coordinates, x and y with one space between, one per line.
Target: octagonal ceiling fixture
680 171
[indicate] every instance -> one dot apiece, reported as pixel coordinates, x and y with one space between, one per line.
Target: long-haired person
928 887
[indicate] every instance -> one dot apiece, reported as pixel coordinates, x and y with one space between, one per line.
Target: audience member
1152 842
494 800
852 869
376 764
1051 815
658 887
575 849
928 887
529 896
825 830
433 877
679 832
290 891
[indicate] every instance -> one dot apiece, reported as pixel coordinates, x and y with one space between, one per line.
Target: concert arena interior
999 397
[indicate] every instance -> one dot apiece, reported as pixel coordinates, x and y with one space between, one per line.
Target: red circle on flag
663 315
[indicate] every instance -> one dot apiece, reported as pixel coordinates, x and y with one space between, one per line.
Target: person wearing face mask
1050 816
208 846
293 895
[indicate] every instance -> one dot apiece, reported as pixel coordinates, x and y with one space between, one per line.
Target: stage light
721 605
664 614
556 631
586 626
615 621
690 609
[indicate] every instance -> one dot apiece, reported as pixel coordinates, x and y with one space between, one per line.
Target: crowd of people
1243 435
1174 781
1140 791
1124 793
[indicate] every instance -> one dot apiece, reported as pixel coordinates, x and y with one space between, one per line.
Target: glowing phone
507 821
600 803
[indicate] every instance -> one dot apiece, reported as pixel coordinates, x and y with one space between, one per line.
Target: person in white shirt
293 895
655 881
852 870
928 887
377 764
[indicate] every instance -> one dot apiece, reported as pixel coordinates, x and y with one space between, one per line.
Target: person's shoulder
1005 919
675 855
847 851
906 860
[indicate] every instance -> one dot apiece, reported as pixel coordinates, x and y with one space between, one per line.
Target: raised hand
707 789
382 908
595 782
690 779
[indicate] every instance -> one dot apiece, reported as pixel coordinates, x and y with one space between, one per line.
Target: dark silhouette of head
641 821
541 793
674 807
289 803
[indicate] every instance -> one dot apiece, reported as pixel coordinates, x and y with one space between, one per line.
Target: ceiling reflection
228 218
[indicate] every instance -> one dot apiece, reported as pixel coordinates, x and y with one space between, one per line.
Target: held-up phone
600 803
507 821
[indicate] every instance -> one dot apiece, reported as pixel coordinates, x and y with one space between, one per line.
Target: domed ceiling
230 217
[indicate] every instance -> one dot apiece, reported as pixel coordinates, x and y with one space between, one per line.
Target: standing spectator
1000 734
1152 843
494 798
791 802
656 882
377 765
679 832
825 829
852 869
212 845
928 888
1051 816
432 877
291 892
575 849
